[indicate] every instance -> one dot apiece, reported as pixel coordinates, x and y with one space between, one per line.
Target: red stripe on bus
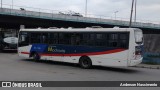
81 54
25 53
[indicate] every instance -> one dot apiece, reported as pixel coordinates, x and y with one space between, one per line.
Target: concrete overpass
13 18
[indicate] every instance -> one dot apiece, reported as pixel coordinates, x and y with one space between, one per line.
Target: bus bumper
135 62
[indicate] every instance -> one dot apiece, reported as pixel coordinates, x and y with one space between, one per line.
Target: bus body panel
24 51
112 58
118 59
133 58
102 60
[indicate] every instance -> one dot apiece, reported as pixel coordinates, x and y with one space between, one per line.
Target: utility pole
1 3
12 4
130 23
86 8
135 11
115 14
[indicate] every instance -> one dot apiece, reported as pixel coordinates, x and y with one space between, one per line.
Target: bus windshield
138 36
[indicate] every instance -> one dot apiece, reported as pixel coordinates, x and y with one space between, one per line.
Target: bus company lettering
53 49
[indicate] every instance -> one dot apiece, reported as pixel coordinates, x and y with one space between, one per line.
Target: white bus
86 47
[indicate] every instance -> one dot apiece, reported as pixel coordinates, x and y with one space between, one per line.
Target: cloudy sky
148 10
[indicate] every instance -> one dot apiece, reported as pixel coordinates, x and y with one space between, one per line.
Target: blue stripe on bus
68 49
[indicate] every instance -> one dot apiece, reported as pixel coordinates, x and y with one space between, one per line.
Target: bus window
92 36
53 38
35 37
138 36
78 39
73 40
87 39
99 36
123 40
113 40
23 39
101 40
64 38
44 38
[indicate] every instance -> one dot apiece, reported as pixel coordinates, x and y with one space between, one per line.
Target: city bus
83 46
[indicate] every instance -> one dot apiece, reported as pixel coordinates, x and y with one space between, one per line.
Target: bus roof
79 30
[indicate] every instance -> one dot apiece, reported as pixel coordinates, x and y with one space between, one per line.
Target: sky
147 10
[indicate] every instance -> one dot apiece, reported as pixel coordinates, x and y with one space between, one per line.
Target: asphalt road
14 68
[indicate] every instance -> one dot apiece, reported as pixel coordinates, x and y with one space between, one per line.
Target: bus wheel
36 56
85 62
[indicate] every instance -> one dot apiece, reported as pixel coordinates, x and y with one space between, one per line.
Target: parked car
77 14
71 13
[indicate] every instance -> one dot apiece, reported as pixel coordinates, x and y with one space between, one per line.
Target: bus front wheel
36 56
85 62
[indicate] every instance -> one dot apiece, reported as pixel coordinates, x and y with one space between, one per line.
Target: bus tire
85 62
36 57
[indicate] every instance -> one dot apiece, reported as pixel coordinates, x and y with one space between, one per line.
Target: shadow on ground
114 69
117 69
9 51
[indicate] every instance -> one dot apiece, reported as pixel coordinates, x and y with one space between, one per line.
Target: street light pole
1 3
86 8
12 4
115 14
135 11
130 23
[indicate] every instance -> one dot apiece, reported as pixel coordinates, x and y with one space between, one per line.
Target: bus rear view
136 48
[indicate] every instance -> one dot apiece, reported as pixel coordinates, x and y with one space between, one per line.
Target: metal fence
151 58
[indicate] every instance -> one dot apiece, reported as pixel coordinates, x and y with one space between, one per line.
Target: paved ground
16 68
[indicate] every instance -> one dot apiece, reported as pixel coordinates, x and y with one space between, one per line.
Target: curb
147 66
